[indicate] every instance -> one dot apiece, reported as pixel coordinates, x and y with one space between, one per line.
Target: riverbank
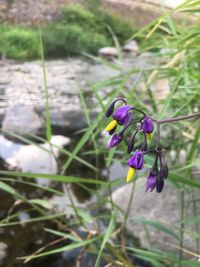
76 30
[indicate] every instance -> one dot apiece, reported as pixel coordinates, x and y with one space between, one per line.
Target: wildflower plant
123 117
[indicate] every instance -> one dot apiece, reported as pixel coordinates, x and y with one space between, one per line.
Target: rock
162 208
109 53
21 119
160 89
131 47
67 120
22 84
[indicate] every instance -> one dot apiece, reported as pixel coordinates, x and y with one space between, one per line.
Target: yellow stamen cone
111 126
130 174
149 136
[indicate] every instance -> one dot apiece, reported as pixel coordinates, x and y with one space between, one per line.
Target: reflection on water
32 158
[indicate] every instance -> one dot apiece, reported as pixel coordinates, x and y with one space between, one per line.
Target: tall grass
180 66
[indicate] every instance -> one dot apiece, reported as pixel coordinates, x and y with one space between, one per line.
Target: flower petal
121 115
111 126
147 125
130 175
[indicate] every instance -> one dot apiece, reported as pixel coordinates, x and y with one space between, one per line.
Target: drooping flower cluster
122 117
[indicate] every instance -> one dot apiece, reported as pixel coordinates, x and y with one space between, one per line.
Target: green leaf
160 226
48 119
45 188
62 249
177 178
41 202
68 236
192 220
37 219
107 235
62 178
85 216
7 188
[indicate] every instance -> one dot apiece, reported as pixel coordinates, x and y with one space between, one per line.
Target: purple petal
137 160
151 183
125 120
121 115
147 125
115 140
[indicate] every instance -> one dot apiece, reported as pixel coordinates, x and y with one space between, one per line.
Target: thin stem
195 214
182 226
158 136
138 111
131 123
129 205
123 225
187 117
120 99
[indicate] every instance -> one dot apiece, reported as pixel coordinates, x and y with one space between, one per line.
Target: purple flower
151 182
122 115
115 140
159 183
147 125
137 160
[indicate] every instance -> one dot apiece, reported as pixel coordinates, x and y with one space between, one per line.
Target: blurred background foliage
76 31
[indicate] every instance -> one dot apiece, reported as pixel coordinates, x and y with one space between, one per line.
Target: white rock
131 47
108 52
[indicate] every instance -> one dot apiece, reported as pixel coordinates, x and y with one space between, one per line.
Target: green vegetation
19 42
77 30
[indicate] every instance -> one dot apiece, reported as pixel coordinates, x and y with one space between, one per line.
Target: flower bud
147 125
110 109
164 168
115 140
159 183
132 143
130 147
